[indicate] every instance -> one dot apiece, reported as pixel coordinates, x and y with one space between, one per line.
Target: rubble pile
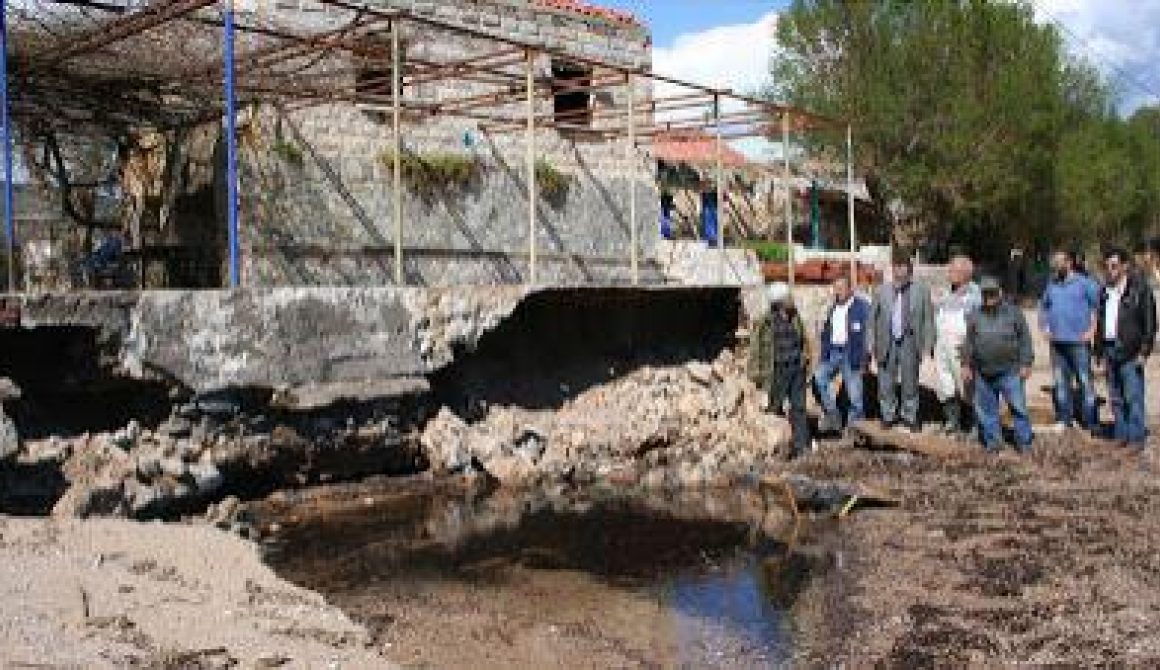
202 453
697 424
653 427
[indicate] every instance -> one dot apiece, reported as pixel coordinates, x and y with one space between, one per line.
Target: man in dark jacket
1125 332
902 324
844 351
997 356
779 358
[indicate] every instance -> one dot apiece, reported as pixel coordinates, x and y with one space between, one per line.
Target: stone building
316 180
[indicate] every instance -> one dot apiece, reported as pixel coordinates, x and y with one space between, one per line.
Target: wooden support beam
630 161
788 195
124 27
503 58
397 153
530 174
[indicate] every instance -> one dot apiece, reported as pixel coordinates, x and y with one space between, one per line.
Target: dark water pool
559 578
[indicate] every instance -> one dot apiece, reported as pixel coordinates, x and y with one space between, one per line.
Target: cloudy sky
728 42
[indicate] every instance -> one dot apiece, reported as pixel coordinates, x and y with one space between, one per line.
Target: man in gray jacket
902 323
997 355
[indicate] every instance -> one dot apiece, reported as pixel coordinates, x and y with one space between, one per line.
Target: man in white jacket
950 330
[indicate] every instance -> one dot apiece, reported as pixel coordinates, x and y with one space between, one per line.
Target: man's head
1115 265
1142 257
992 291
842 291
960 270
1063 262
779 294
902 270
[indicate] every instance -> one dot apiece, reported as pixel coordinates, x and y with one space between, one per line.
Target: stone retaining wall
320 177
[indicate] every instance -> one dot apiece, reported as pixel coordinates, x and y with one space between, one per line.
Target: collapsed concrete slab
193 396
212 340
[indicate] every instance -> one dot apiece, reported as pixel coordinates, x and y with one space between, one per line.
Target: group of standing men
981 348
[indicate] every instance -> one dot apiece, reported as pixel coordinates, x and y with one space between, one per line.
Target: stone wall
322 211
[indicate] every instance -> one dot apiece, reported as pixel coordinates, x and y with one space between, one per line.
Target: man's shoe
908 429
1057 428
829 424
952 417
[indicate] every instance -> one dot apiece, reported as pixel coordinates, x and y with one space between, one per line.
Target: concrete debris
192 459
9 390
9 438
697 424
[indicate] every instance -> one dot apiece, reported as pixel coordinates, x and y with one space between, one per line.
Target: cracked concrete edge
208 340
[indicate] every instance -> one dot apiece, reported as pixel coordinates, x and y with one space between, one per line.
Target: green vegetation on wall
433 174
290 153
552 184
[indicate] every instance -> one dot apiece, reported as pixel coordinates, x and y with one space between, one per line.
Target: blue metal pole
231 146
9 214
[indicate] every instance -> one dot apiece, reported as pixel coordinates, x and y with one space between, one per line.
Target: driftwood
873 435
805 493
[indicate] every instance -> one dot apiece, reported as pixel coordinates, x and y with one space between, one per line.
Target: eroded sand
107 593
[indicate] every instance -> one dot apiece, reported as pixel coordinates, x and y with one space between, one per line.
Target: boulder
174 467
701 372
176 427
207 479
444 441
9 390
103 496
9 438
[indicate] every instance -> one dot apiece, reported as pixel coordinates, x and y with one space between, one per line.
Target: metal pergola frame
284 67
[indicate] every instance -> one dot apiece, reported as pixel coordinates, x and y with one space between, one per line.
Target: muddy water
552 578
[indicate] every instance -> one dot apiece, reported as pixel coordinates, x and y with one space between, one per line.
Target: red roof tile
589 9
694 148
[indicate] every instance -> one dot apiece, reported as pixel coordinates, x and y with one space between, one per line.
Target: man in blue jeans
997 356
1125 333
1067 316
844 352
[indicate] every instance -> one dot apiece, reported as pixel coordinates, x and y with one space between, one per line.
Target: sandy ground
993 561
104 593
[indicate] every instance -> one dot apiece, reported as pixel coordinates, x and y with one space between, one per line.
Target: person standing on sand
997 358
844 351
1067 316
1125 334
950 329
902 323
778 361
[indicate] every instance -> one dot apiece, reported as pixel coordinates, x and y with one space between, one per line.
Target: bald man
962 298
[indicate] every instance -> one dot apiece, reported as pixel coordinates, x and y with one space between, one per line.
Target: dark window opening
571 107
373 67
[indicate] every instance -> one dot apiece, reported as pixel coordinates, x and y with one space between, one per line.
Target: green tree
970 114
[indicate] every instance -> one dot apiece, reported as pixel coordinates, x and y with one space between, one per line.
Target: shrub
288 152
552 184
432 174
769 252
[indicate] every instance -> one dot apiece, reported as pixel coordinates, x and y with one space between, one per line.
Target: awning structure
109 66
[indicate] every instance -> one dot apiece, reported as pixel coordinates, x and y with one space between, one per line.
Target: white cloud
1120 37
734 57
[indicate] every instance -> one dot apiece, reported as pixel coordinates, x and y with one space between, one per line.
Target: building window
373 67
571 107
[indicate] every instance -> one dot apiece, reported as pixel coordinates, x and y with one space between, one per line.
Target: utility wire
1124 75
